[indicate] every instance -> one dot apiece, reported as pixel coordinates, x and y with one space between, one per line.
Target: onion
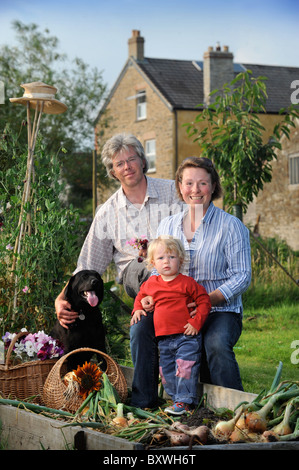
256 422
201 432
283 428
177 438
238 435
223 429
269 436
240 424
120 420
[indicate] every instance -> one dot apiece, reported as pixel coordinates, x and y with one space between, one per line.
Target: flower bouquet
33 346
29 359
141 245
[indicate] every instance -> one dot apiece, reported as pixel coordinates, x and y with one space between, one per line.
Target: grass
266 339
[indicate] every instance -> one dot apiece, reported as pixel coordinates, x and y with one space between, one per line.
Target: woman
219 259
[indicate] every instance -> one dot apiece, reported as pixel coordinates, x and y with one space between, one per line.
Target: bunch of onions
256 421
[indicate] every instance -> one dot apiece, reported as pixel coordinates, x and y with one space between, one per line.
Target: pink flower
25 290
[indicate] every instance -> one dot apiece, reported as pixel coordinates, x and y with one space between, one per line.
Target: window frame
151 156
141 106
294 169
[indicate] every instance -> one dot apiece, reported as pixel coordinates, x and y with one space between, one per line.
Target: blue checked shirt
218 256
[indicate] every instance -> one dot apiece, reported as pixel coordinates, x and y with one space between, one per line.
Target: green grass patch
266 339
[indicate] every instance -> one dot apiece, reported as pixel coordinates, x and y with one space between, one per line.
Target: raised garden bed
23 430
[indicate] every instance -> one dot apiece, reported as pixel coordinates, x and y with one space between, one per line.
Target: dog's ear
69 288
101 289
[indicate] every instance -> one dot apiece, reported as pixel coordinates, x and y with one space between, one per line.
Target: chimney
136 45
218 69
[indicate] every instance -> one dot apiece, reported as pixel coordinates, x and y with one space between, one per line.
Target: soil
201 417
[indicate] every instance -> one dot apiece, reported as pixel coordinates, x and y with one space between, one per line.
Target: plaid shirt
218 256
118 220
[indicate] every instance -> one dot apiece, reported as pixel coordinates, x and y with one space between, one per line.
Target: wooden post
94 182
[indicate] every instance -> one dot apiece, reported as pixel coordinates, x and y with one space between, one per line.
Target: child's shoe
177 409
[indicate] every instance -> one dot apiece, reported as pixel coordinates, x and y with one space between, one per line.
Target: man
135 210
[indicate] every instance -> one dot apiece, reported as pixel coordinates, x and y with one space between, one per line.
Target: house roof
181 81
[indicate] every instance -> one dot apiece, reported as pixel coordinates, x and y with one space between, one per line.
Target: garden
41 236
50 246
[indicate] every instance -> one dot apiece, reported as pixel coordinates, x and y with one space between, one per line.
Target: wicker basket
24 380
54 388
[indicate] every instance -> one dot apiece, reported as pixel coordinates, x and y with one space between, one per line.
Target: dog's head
85 286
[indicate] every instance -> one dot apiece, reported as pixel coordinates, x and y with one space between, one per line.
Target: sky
97 31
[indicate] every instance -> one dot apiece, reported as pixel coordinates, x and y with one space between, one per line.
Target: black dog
85 291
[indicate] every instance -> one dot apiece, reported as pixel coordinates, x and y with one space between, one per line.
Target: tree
37 58
233 138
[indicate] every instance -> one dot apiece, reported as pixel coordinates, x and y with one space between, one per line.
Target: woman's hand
148 303
136 317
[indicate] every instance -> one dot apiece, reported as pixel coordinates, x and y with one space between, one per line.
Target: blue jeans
179 366
220 333
145 359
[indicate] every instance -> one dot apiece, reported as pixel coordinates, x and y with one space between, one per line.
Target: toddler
178 335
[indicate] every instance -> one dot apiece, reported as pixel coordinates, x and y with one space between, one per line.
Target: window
141 105
150 153
294 169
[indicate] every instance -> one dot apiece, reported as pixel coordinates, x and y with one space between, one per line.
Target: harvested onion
223 429
177 438
120 420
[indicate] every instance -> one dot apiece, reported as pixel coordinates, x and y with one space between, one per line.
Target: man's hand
136 317
64 312
148 303
193 312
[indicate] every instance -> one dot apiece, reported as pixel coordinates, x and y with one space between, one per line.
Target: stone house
154 98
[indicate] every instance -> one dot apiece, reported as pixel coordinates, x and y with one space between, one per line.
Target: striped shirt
118 220
218 256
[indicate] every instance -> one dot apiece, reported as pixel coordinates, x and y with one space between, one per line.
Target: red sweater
171 298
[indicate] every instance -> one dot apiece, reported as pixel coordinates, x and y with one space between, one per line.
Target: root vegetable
240 424
283 428
223 429
238 435
201 432
256 421
269 436
177 438
120 420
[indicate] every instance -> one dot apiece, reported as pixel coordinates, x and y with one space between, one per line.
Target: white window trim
154 154
141 106
292 157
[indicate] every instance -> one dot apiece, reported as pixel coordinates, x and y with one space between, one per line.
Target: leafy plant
50 244
230 133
